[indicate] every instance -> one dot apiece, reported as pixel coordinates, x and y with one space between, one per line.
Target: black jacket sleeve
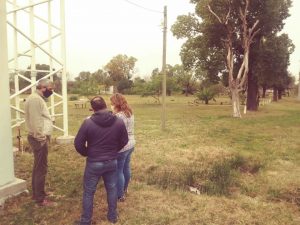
123 136
80 140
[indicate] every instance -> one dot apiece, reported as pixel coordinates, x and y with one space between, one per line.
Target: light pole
164 80
298 98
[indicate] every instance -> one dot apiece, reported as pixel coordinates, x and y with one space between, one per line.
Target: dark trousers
39 170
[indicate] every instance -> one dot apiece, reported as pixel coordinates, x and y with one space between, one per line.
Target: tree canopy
120 67
206 34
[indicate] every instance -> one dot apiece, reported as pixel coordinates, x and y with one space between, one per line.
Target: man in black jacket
100 138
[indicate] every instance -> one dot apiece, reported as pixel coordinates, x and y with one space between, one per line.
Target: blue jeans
124 172
92 174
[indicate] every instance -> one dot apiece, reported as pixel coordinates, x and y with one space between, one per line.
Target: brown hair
120 104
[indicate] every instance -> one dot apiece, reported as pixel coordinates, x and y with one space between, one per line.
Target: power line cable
142 7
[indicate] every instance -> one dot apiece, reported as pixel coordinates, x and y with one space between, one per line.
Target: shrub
220 178
206 94
73 98
213 178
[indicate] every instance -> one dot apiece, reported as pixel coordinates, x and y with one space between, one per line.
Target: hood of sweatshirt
104 118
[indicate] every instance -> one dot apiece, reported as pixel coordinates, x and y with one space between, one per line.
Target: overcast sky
293 30
99 30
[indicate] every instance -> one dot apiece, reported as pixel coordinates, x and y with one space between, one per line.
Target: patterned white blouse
129 123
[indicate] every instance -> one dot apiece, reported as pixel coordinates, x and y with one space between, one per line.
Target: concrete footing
65 140
11 189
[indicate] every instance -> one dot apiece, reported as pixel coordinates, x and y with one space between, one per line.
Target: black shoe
121 199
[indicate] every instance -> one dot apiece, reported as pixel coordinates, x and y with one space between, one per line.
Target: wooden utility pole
164 80
298 98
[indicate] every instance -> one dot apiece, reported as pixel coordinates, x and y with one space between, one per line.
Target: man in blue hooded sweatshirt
100 138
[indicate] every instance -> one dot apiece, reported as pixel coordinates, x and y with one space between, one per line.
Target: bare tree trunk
275 94
187 90
252 93
236 103
115 89
280 94
264 91
237 83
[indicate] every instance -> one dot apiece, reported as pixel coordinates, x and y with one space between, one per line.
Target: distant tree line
231 46
40 71
119 72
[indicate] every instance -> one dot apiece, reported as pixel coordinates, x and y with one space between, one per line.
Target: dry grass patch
246 170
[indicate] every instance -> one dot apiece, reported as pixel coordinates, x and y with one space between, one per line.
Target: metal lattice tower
39 25
28 37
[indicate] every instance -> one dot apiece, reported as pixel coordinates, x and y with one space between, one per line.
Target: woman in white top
121 109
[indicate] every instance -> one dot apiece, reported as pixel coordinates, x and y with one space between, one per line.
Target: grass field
247 170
